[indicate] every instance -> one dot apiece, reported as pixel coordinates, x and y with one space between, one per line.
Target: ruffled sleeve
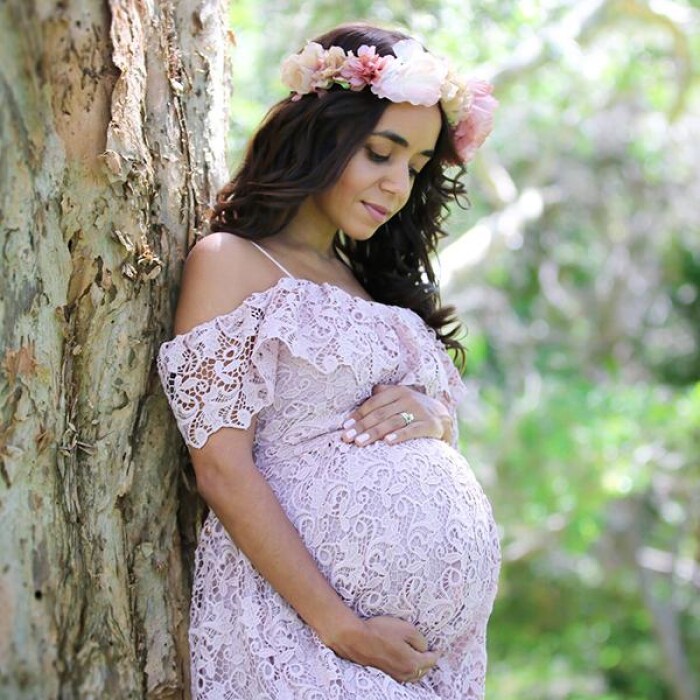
453 386
453 392
430 368
448 386
219 374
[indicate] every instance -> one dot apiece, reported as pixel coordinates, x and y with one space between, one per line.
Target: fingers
381 415
424 663
387 424
417 640
421 665
392 645
396 413
382 395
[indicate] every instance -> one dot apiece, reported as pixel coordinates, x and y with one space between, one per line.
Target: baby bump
402 530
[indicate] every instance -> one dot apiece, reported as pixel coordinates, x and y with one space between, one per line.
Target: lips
377 212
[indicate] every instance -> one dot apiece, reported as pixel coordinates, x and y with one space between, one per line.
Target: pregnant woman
349 551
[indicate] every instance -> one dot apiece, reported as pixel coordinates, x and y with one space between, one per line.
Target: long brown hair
302 148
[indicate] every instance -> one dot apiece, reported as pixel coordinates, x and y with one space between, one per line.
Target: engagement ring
408 418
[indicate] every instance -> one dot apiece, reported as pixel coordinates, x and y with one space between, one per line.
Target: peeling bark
111 144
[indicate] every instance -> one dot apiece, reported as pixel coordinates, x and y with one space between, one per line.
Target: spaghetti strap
264 252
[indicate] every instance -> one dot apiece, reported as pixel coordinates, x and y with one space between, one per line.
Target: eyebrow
401 141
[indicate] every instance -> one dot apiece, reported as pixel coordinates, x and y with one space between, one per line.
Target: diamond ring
408 418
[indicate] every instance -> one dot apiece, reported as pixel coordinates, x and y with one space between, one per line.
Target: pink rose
363 69
472 131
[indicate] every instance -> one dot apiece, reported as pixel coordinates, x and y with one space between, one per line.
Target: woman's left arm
395 413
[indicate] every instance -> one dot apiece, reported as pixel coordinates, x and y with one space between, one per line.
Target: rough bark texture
111 142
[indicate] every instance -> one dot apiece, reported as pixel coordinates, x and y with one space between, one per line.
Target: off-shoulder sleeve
446 383
430 368
452 394
219 374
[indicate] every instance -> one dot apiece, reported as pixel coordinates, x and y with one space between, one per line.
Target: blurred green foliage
577 273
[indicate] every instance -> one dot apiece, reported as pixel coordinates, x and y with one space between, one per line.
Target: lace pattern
224 371
402 529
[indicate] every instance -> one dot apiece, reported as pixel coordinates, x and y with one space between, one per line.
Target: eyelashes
375 157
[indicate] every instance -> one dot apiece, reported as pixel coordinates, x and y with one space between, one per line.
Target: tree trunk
112 130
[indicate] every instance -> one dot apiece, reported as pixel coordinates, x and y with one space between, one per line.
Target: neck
309 233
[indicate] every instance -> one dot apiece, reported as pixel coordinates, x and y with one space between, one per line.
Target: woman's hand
395 413
387 643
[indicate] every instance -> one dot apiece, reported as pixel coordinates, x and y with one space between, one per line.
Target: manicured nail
349 423
390 437
350 434
361 439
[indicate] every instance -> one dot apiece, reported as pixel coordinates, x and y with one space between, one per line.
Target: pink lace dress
402 530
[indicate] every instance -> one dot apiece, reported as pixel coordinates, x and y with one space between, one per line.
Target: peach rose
299 69
330 68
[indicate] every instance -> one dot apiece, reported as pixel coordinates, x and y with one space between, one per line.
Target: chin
364 235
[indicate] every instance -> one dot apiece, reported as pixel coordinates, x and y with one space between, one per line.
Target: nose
397 181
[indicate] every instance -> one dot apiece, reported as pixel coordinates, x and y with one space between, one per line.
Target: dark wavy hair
302 148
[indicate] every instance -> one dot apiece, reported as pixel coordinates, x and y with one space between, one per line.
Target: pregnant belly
402 530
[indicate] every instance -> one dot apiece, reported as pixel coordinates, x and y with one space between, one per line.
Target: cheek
357 176
340 195
355 179
334 198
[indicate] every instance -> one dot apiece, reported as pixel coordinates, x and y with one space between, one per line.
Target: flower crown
411 75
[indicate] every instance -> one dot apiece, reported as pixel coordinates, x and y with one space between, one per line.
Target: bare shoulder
220 272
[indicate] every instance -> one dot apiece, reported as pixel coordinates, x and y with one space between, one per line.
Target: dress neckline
290 281
327 285
274 260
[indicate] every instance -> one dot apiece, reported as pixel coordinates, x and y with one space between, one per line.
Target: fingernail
390 437
349 423
350 434
361 439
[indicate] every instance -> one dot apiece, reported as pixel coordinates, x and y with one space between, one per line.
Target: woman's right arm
217 279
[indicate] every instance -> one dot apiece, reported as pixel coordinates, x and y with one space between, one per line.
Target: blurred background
576 272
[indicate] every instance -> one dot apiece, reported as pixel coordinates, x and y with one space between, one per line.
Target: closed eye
379 158
376 157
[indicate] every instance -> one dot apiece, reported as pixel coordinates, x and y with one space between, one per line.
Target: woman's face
377 181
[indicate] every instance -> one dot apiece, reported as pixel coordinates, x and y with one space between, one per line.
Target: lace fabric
397 529
224 371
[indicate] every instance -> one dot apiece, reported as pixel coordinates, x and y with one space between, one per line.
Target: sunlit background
577 274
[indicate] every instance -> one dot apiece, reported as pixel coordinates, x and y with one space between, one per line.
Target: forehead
418 125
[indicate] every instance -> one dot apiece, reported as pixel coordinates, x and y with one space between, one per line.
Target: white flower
413 76
455 98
